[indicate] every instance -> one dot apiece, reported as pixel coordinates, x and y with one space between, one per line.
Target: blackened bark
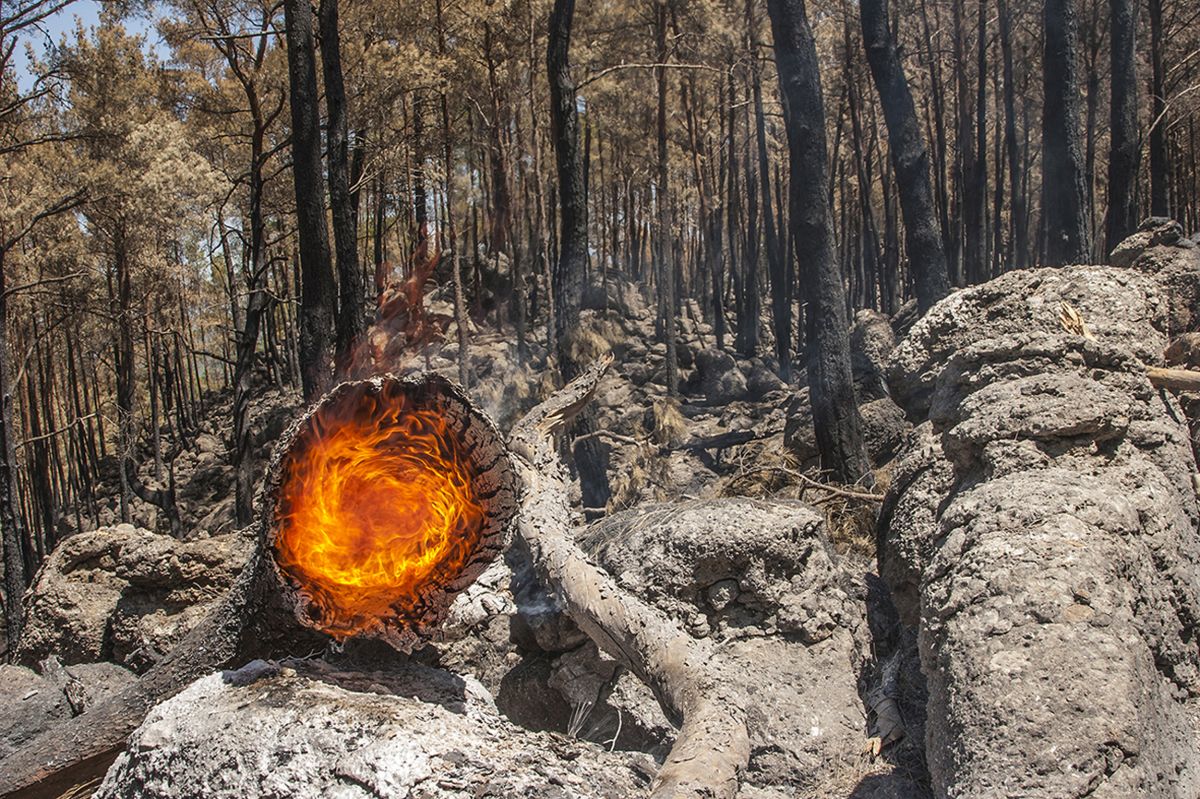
1063 192
247 335
317 289
1125 150
12 532
460 303
1016 168
1159 202
968 227
351 319
835 410
910 159
777 265
567 273
666 267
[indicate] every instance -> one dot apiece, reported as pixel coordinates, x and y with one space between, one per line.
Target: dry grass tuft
670 427
640 479
585 344
771 472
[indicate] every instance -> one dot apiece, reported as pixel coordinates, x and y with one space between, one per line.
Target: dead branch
1173 379
713 746
832 489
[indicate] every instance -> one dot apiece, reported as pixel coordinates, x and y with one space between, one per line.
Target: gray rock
1120 306
872 341
884 428
761 380
1160 250
124 594
29 703
799 437
306 730
762 578
720 379
1042 528
617 294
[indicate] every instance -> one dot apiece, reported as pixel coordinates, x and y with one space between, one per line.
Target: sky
51 30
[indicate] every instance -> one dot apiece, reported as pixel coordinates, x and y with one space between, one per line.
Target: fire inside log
391 498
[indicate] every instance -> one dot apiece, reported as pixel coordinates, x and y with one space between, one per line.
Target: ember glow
376 505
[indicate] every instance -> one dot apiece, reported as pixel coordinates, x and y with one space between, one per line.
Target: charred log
713 746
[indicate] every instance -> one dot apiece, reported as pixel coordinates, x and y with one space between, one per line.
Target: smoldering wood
263 615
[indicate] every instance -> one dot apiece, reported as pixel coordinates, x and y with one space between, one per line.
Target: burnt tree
1125 147
271 608
317 289
1064 208
835 410
351 320
1159 202
569 270
910 159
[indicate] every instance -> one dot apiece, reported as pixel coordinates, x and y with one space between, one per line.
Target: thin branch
620 67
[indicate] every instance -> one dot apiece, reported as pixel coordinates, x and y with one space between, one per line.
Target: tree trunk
910 159
835 409
567 276
777 263
351 319
12 532
1159 201
1016 180
1063 193
460 303
317 289
267 612
1125 148
666 268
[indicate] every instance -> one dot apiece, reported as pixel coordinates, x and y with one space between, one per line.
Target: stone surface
1041 527
720 379
872 341
31 701
761 579
308 730
124 594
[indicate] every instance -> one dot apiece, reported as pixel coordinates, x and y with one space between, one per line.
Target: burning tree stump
384 500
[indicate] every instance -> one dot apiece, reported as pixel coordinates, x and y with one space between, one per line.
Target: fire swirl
375 506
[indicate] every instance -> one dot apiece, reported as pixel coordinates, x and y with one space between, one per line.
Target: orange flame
376 506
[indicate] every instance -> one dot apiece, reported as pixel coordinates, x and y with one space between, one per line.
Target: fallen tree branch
1173 379
722 440
713 746
832 489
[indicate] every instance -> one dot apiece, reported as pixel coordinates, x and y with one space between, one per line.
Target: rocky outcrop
720 379
761 579
30 701
125 595
306 729
1042 530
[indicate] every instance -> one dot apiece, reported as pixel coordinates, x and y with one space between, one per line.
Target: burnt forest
591 399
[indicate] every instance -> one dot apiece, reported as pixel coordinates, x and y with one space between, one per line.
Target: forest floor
1023 565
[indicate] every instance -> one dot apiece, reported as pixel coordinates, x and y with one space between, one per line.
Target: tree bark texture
910 159
1063 193
318 293
837 422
